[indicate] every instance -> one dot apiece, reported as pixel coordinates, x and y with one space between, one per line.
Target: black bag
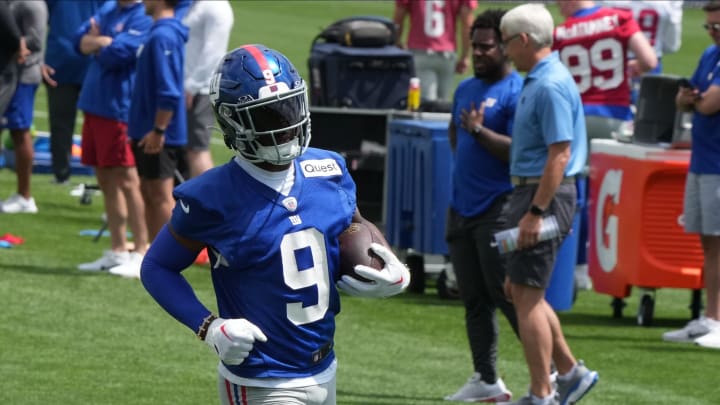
360 32
342 76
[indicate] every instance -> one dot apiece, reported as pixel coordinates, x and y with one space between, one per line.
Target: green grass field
72 338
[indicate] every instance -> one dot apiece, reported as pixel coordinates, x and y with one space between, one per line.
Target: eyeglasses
506 41
714 26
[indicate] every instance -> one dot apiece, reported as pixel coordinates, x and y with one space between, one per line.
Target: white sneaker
477 390
108 260
16 204
130 269
582 277
710 340
693 330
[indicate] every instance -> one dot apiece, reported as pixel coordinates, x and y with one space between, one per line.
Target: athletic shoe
693 330
108 260
17 204
529 400
582 277
130 269
710 340
572 389
477 390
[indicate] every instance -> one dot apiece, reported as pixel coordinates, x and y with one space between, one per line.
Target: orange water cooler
636 237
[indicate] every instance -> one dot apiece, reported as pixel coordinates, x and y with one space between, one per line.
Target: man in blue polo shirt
548 150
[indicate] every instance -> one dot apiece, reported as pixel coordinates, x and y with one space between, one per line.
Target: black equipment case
359 68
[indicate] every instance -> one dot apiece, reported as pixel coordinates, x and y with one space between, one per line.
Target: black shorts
163 165
533 266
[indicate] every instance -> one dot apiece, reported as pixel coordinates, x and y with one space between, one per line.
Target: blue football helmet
261 105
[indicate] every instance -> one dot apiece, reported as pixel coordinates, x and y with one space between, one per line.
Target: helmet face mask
261 105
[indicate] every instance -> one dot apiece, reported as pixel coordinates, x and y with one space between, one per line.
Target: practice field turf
72 338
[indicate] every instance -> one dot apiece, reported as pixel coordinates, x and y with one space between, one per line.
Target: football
355 249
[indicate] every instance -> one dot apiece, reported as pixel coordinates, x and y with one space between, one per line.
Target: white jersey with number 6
660 21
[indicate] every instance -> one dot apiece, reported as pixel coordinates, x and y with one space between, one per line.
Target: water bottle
507 241
413 98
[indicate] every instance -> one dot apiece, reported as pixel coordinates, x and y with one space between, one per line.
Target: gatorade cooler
636 229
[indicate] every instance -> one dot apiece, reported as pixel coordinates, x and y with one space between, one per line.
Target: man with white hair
548 151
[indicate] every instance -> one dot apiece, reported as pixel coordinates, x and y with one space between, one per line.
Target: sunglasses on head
714 26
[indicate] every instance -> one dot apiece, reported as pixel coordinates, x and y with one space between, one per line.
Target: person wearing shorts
31 18
157 124
548 151
702 189
210 23
112 37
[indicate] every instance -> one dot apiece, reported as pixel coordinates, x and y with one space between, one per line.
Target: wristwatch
159 131
477 128
537 211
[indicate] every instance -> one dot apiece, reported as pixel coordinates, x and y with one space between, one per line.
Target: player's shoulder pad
321 163
205 190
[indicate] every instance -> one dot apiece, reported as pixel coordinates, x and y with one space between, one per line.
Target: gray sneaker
528 400
581 382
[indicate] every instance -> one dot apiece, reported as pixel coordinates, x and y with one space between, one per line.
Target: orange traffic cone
202 257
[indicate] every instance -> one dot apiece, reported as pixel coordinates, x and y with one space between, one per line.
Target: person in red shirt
593 43
432 40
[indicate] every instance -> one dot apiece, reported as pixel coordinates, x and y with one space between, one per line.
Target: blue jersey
159 82
64 18
109 80
478 176
274 258
705 156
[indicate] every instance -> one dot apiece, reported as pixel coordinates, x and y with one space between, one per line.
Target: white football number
605 56
317 275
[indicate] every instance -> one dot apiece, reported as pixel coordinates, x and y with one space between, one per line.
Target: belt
525 181
319 354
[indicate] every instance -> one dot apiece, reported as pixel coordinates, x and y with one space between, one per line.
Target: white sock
543 401
566 377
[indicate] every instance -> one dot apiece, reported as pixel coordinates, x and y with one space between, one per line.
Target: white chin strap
282 154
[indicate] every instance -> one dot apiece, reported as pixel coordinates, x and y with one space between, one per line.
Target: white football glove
233 339
391 280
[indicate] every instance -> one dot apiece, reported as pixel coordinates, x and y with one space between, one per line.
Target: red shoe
202 257
12 239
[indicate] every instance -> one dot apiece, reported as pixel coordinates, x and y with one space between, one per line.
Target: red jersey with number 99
594 47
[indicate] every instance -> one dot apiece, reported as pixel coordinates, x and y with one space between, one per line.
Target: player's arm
466 20
644 52
708 103
495 143
171 253
672 35
399 19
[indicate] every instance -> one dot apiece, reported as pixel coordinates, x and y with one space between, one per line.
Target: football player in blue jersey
270 219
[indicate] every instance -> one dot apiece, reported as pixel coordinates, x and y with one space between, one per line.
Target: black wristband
537 211
158 130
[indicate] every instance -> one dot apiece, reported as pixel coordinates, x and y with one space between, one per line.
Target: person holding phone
701 211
